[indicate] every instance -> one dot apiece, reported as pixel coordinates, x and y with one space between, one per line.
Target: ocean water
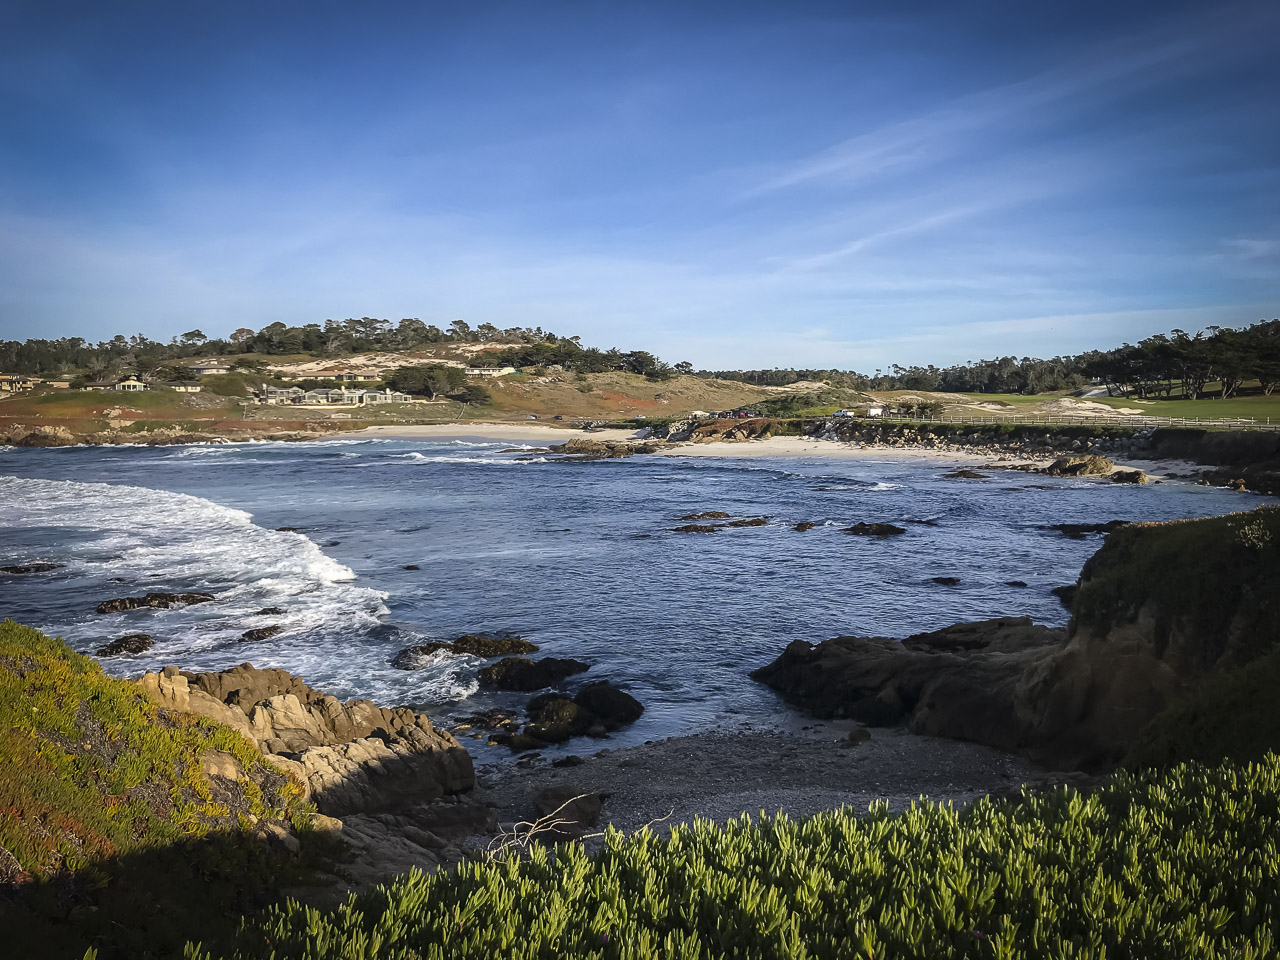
579 558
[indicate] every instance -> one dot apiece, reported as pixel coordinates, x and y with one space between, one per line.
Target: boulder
861 529
1086 465
706 515
521 673
965 474
133 643
1015 583
260 633
947 581
556 719
271 612
24 568
696 528
1066 593
157 600
609 705
490 647
1128 476
748 522
804 525
352 757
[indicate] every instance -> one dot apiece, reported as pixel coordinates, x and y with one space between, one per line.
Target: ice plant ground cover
1182 863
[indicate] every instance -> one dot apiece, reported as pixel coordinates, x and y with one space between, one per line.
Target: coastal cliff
1160 609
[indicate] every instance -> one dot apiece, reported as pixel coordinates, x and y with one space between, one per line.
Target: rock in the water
133 643
30 568
1128 476
521 673
862 529
260 633
1067 594
158 600
518 742
696 528
411 566
490 647
1015 583
804 525
419 655
947 581
611 706
556 719
1085 465
965 474
749 522
706 515
271 612
1078 531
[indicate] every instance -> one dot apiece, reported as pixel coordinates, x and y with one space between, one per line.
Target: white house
184 386
489 371
209 368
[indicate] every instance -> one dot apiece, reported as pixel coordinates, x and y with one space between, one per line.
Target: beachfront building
16 383
384 396
184 386
282 394
129 384
209 368
489 371
337 396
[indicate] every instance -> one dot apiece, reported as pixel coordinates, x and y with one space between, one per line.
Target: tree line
1157 366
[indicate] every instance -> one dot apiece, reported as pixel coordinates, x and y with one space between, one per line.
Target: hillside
125 825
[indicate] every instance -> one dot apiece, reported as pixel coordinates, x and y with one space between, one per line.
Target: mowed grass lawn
1254 406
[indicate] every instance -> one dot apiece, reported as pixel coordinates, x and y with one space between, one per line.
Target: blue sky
735 184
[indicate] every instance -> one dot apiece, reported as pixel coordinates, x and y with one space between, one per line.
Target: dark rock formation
748 522
133 643
271 612
696 528
1087 465
947 581
416 657
705 515
965 474
804 525
1015 583
411 566
1128 476
1078 531
260 633
351 758
521 673
30 568
158 600
611 706
1066 593
862 529
1160 608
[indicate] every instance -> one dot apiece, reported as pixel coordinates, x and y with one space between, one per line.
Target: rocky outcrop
1087 465
1078 531
1128 476
353 757
24 568
523 674
597 709
474 645
580 448
161 601
1158 610
133 643
862 529
259 634
695 528
705 515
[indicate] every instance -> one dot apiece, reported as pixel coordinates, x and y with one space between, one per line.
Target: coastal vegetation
113 832
1184 863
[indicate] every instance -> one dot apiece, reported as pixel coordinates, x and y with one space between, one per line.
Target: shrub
1183 864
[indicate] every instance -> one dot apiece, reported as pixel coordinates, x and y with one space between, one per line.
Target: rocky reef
1158 611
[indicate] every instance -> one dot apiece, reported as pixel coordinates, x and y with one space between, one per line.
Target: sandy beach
515 432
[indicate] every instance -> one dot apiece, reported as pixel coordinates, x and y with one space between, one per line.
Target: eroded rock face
1160 608
352 757
157 600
